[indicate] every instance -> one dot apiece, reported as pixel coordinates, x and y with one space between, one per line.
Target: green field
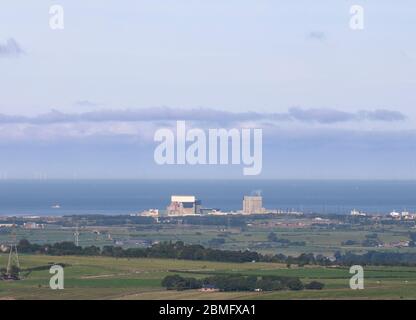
254 237
111 278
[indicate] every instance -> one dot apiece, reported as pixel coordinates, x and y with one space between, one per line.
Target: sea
114 197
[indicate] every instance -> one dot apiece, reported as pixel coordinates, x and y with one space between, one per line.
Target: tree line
169 250
239 283
180 250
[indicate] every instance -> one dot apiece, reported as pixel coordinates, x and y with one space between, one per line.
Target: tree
314 285
295 284
176 282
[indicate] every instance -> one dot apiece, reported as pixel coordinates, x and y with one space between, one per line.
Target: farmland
111 278
139 277
303 234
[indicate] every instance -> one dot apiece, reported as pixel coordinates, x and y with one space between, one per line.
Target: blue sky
85 101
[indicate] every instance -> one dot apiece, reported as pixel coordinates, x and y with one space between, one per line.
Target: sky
85 101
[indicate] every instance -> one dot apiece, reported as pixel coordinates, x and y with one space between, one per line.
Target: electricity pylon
13 255
76 236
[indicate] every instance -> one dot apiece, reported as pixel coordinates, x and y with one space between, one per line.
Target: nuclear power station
253 204
183 206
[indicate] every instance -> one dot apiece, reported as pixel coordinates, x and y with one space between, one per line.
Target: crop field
318 241
111 278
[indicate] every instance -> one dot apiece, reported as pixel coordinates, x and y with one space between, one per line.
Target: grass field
111 278
317 241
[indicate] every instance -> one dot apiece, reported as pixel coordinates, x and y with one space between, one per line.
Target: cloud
139 125
146 114
328 116
311 153
206 115
317 35
86 103
10 49
383 115
321 115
